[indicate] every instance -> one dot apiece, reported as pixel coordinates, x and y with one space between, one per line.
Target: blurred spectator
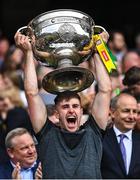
117 45
12 79
132 80
2 83
47 97
14 62
137 127
52 113
130 59
115 82
87 99
13 59
12 115
4 46
12 110
137 43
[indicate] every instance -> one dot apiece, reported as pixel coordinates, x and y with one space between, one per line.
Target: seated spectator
22 154
13 59
47 97
118 46
132 80
130 59
4 46
12 115
2 83
116 83
137 42
137 127
52 114
12 79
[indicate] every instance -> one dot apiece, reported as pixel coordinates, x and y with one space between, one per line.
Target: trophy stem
65 63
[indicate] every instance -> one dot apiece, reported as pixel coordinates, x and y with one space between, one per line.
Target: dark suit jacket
7 169
112 165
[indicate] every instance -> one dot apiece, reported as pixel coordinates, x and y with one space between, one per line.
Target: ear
10 152
112 113
56 114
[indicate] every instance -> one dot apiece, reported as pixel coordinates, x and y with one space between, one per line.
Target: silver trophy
60 39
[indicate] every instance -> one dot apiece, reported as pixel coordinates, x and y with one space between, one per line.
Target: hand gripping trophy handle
27 31
100 46
105 53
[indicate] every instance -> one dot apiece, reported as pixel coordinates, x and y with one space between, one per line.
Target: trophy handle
22 29
98 29
105 53
26 30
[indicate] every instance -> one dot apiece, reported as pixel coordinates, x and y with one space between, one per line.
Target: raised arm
100 107
37 108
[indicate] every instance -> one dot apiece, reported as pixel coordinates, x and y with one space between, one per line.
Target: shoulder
91 123
136 135
109 133
45 129
6 164
6 170
18 111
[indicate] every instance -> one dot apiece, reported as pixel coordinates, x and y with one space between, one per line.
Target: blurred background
110 14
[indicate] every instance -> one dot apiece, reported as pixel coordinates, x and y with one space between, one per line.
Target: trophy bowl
59 38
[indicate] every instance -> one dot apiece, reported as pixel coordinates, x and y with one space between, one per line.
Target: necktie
123 150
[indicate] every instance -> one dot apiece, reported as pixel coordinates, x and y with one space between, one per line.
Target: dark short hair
132 76
137 96
113 102
51 109
67 95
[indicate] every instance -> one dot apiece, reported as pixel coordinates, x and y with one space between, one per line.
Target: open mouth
71 120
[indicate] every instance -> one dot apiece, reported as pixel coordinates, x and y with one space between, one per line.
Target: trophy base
70 78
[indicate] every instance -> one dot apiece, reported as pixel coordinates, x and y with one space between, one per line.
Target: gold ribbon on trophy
106 55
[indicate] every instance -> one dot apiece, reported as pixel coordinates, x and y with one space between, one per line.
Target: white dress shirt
127 143
26 173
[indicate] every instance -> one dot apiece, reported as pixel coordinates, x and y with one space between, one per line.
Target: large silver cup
58 39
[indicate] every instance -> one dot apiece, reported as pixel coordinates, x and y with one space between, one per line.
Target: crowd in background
13 103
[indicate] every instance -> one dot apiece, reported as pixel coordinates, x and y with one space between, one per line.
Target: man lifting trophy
62 39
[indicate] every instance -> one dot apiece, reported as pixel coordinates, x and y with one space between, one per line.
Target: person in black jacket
124 116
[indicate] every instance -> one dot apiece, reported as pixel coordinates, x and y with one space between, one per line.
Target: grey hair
114 100
113 103
13 133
